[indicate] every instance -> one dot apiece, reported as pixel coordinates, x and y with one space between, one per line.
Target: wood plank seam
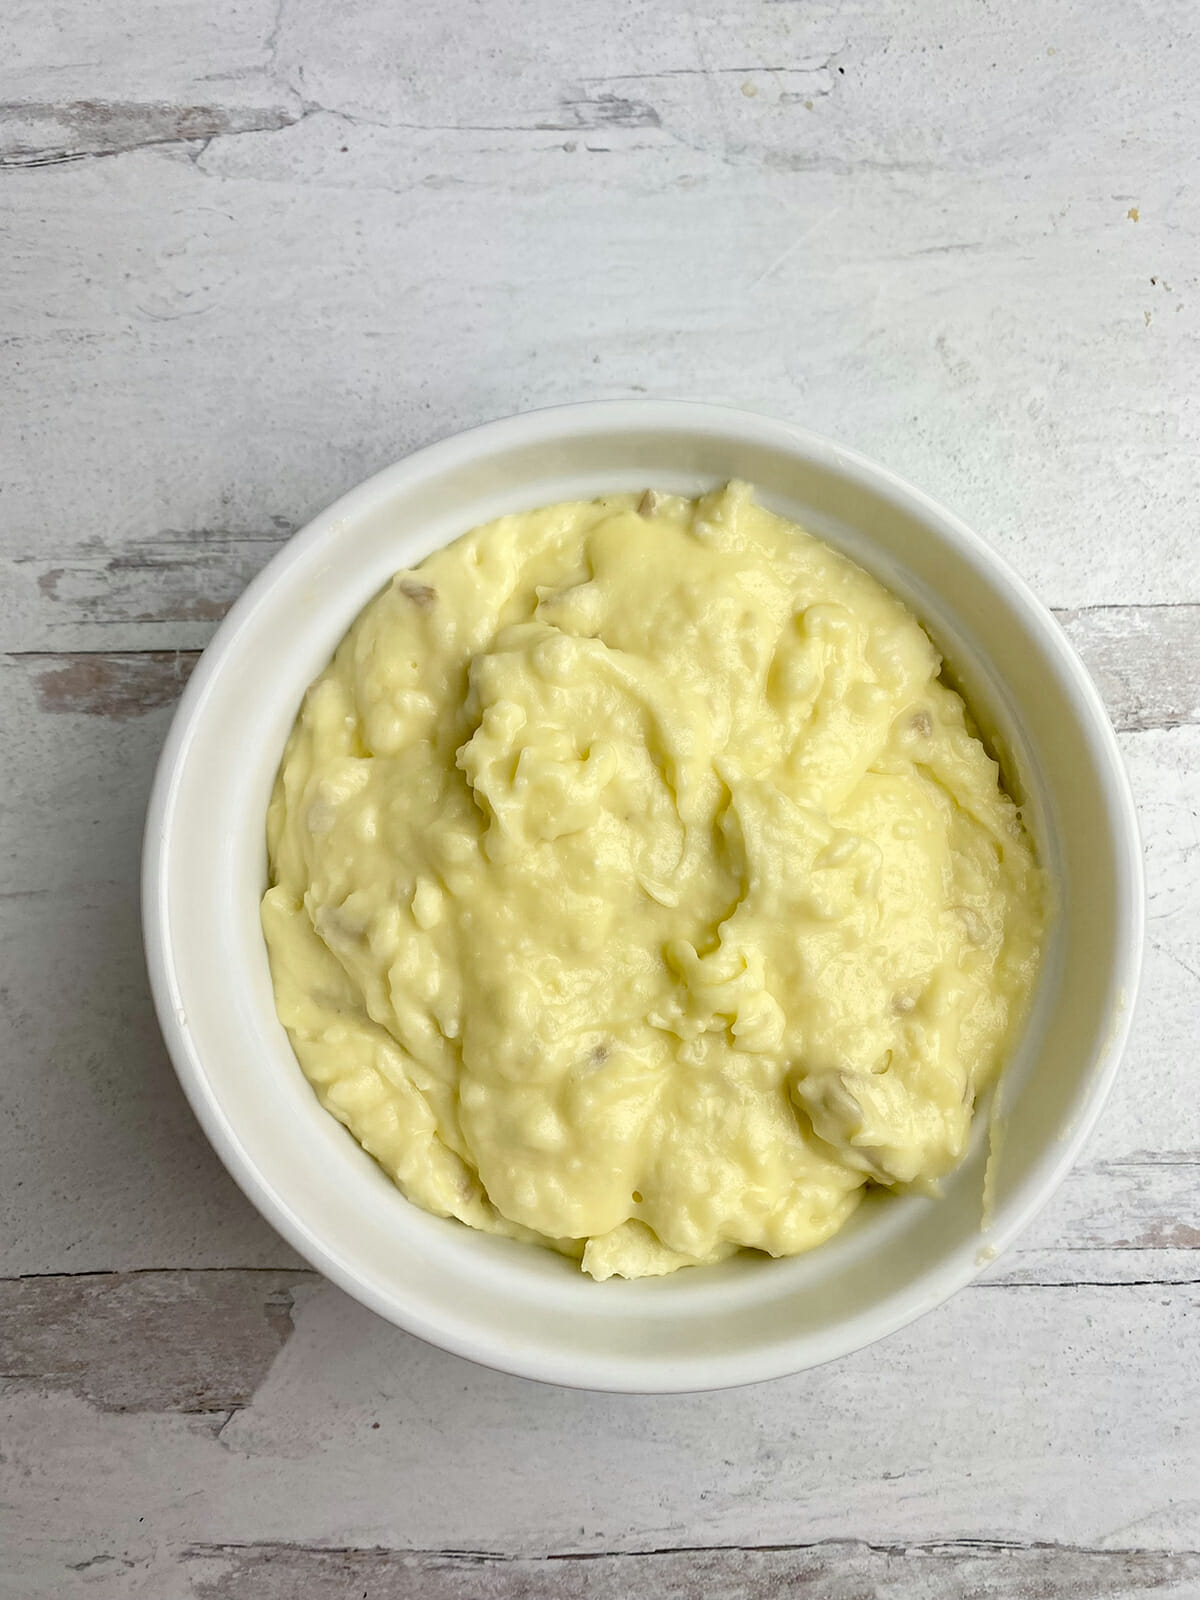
924 1547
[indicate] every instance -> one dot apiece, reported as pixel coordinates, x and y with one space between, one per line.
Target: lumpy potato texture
638 888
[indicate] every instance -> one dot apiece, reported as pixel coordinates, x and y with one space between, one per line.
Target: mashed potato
638 889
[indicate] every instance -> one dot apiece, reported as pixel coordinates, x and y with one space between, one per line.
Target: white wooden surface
251 250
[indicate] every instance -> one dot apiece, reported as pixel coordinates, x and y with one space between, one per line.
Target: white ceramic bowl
509 1305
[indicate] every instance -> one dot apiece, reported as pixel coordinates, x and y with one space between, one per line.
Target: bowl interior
509 1305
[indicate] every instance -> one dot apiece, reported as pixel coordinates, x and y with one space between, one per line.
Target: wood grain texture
1145 660
830 1571
130 595
834 1571
107 684
169 1341
42 135
1009 1416
201 1343
907 228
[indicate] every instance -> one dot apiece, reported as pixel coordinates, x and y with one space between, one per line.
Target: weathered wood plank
130 595
188 52
115 685
1007 1417
152 1341
39 134
1145 660
1147 1210
215 321
1030 1263
200 1342
836 1571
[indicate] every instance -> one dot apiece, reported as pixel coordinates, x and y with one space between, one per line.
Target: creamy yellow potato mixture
639 889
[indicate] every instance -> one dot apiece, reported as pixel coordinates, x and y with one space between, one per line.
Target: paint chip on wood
147 1341
115 686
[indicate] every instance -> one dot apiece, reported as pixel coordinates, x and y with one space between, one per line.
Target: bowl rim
563 422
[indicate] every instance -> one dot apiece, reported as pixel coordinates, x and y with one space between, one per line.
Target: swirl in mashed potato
639 889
